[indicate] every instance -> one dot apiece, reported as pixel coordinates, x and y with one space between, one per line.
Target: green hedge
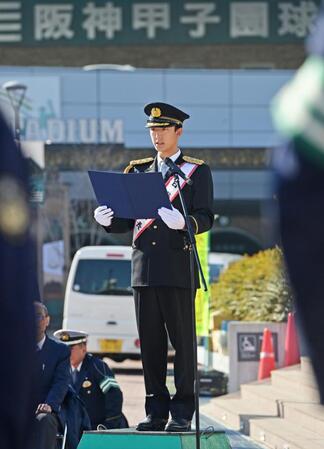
254 288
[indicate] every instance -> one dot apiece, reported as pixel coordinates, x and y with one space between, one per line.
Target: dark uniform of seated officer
161 275
94 382
53 360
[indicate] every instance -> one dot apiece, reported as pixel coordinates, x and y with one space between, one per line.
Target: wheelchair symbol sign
249 346
248 343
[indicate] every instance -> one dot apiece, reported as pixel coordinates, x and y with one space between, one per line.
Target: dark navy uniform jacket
17 293
54 374
160 254
100 393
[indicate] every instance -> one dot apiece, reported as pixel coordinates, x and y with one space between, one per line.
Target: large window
103 277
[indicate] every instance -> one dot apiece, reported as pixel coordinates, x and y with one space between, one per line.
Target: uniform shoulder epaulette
138 162
193 160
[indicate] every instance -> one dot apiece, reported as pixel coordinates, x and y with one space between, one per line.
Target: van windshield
103 277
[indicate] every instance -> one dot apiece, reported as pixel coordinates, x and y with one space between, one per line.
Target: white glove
172 218
103 215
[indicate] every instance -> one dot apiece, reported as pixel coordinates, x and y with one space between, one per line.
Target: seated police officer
53 379
94 382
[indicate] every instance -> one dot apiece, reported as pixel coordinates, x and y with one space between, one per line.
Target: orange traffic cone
267 358
292 354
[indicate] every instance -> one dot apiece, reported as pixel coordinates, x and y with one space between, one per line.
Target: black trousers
161 311
45 431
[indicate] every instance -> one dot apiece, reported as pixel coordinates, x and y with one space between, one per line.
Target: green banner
202 297
120 22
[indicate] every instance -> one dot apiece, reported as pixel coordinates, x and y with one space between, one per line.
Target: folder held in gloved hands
131 195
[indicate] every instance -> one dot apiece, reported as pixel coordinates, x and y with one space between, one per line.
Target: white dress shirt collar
78 368
174 157
40 344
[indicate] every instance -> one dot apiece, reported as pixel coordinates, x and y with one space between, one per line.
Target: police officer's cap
70 337
163 115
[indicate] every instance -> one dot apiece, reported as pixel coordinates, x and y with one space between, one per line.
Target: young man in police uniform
94 382
161 271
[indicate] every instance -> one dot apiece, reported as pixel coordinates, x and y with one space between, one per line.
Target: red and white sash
171 186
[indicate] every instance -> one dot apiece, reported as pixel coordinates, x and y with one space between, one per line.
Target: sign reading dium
82 22
42 120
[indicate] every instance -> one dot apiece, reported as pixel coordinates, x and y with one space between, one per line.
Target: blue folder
131 195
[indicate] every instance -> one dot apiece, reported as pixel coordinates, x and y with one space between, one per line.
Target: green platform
130 439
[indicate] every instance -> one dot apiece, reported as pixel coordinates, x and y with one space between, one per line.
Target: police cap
163 115
70 337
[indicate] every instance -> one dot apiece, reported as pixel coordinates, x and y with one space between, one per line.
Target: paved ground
130 378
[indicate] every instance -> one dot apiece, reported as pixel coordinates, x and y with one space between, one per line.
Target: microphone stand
193 258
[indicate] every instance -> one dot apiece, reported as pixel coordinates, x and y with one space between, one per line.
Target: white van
99 301
99 298
218 262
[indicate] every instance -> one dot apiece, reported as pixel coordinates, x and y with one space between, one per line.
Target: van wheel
117 357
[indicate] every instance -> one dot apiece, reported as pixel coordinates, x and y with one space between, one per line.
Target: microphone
177 170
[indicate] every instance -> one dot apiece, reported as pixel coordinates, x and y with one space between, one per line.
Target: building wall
230 127
227 108
222 56
242 190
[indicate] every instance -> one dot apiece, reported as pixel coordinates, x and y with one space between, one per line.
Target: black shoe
178 425
151 424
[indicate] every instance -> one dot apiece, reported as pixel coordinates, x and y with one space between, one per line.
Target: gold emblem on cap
156 112
65 337
86 384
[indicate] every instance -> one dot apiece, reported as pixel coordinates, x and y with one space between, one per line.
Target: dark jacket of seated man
54 373
53 379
